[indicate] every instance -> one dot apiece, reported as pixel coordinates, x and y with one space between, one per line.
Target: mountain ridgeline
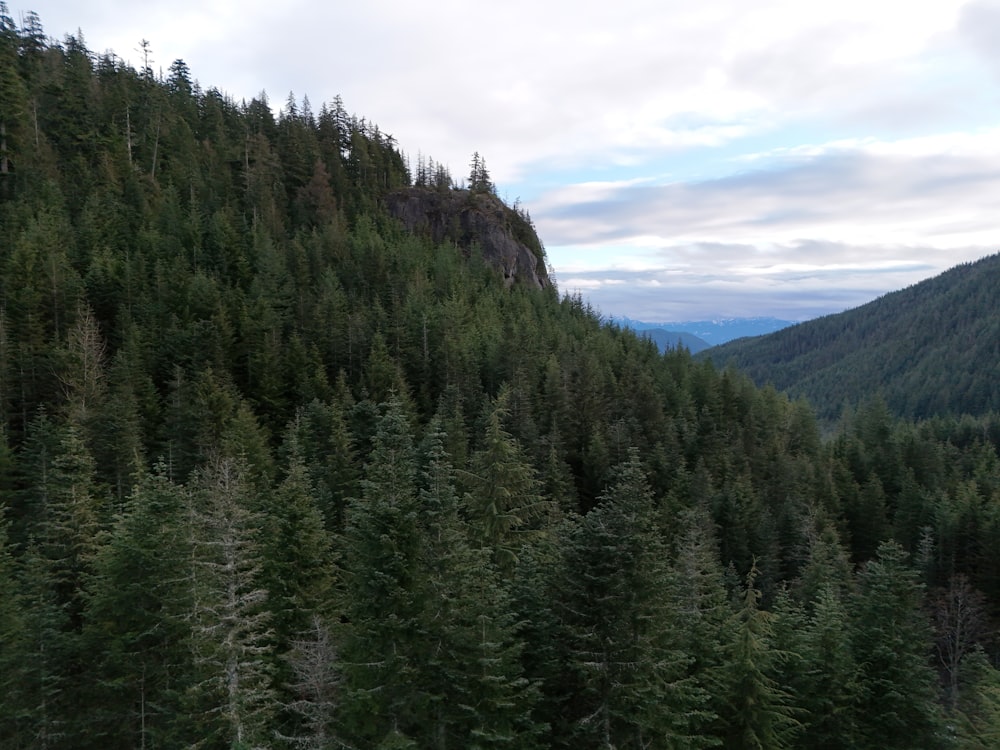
301 448
932 349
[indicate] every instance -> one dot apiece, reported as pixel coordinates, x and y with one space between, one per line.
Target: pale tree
960 626
83 375
314 686
230 630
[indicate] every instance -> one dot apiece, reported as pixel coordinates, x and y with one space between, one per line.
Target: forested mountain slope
931 349
278 472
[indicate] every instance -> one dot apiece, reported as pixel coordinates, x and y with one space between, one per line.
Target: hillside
299 448
931 349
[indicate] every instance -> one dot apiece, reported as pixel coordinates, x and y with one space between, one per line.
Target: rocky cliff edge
505 237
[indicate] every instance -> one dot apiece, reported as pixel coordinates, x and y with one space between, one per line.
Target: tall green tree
631 690
892 642
382 606
760 715
12 642
136 627
824 674
471 670
504 501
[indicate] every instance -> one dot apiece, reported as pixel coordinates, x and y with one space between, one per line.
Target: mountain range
697 335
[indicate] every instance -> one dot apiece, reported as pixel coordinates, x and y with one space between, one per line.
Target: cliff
504 236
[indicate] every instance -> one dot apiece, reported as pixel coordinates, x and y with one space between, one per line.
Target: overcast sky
681 159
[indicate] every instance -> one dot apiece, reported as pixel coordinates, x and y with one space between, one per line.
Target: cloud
801 281
880 194
979 27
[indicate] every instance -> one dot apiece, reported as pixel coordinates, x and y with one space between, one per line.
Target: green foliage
136 628
930 349
209 324
892 640
759 713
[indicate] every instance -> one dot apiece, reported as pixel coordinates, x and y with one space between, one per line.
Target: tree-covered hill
931 349
282 469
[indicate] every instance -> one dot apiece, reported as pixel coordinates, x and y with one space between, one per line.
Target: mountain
300 449
712 332
665 340
930 349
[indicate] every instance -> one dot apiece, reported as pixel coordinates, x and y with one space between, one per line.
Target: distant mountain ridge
711 332
930 349
665 340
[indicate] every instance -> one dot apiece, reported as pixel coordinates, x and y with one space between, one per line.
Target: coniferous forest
930 349
278 472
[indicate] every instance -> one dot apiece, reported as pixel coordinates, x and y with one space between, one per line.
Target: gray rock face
504 237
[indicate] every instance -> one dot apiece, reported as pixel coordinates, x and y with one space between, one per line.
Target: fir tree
892 641
760 713
382 604
135 627
232 700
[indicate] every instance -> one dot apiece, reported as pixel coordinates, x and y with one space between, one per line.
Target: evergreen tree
824 675
12 642
44 713
630 690
472 670
135 627
760 713
479 177
698 622
382 604
504 503
232 700
892 643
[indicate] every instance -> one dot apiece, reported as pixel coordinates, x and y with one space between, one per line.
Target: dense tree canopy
275 472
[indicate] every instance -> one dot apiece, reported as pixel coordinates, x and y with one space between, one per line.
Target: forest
276 472
930 349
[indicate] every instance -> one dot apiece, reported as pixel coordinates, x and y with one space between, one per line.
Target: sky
681 160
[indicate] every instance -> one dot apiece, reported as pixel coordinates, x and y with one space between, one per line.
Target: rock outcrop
505 238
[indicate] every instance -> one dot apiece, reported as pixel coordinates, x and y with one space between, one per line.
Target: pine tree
504 503
232 701
297 567
471 671
381 603
760 714
135 627
699 620
892 642
630 691
479 177
12 643
824 675
45 714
